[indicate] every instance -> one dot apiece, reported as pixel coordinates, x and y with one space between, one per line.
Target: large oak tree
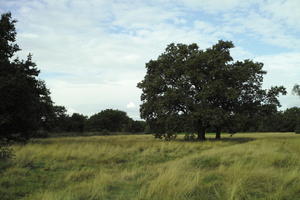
186 88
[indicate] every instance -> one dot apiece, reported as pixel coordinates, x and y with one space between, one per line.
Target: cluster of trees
106 121
114 121
193 90
277 121
25 100
26 108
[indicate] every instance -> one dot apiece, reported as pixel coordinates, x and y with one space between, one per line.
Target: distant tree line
106 122
277 121
110 121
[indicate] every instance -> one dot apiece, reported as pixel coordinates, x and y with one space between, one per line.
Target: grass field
246 166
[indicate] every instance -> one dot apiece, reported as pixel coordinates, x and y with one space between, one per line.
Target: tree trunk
201 134
218 133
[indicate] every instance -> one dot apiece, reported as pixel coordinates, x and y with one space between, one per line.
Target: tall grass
247 166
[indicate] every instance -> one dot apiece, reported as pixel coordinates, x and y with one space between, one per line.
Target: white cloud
70 111
284 11
216 5
262 28
239 53
130 105
282 69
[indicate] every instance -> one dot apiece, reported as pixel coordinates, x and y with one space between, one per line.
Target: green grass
246 166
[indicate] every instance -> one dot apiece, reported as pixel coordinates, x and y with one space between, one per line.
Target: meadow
140 167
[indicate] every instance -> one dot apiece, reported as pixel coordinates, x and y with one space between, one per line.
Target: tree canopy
192 89
108 120
25 100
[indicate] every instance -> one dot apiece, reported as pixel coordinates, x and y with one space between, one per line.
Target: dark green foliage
60 121
76 122
135 126
57 120
25 102
290 119
104 123
109 119
190 89
7 38
273 121
297 128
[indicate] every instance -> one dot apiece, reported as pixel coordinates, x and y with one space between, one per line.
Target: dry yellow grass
247 166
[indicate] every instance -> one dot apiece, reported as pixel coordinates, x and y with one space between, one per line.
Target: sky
92 53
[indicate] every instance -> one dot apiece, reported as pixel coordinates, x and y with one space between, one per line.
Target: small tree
135 126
